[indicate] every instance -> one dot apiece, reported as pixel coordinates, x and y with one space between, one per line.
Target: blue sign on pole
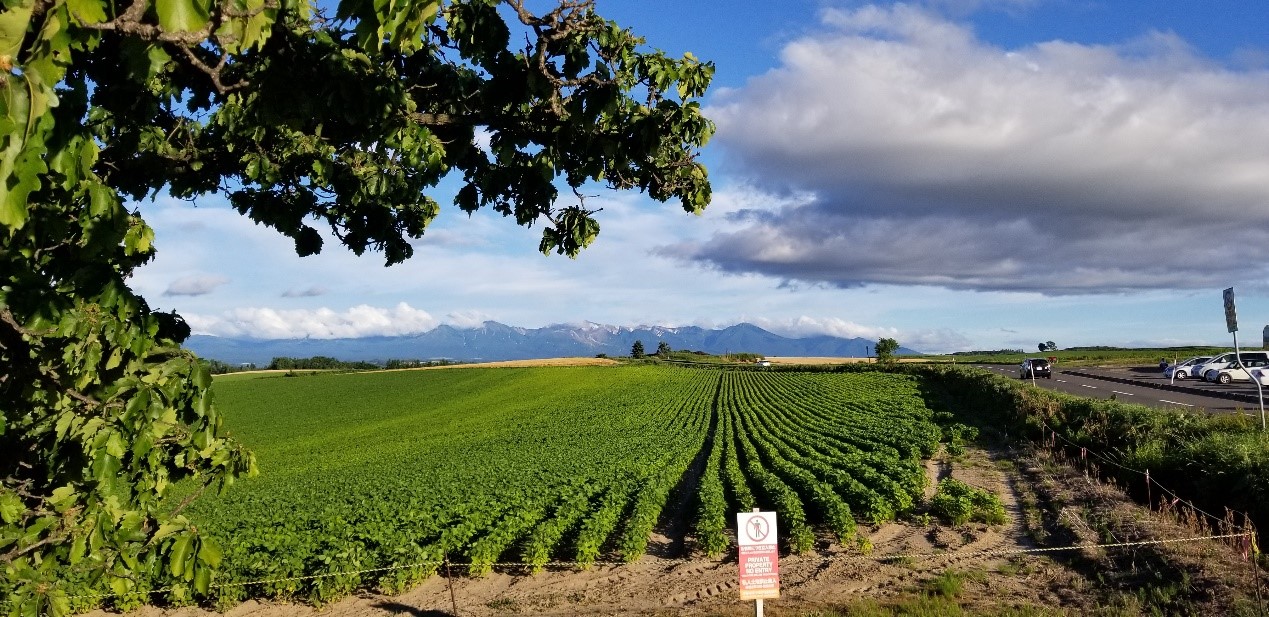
1231 318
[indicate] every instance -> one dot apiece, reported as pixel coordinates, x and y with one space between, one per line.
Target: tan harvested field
525 363
814 360
1049 504
829 360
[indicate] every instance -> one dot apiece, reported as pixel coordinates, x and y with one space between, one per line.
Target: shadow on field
396 608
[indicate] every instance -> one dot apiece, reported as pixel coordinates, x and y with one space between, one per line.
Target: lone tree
663 349
636 350
886 348
302 119
1048 346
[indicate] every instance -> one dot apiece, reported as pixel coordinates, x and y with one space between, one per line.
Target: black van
1035 367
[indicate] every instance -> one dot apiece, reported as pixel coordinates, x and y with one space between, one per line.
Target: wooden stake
449 582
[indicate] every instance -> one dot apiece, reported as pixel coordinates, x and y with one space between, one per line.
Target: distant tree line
317 363
220 367
988 352
395 364
665 352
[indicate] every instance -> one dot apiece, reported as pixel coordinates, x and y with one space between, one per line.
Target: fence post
449 582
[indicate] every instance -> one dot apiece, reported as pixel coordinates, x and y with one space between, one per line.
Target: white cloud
323 323
195 285
937 159
804 326
468 319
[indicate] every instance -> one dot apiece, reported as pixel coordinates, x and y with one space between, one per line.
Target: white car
1233 373
1183 370
1211 370
1217 362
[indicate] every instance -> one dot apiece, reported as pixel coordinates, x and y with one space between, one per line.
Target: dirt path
905 558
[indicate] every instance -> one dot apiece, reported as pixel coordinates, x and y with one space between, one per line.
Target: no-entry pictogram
758 529
759 555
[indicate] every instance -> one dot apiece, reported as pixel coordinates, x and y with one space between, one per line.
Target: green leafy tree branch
303 121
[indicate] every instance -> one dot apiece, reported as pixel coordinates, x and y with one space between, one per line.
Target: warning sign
759 555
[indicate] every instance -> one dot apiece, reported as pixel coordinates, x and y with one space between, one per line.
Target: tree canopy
886 348
303 119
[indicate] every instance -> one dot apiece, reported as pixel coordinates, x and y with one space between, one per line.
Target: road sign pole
1231 323
1260 389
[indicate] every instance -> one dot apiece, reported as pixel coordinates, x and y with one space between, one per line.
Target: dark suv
1035 367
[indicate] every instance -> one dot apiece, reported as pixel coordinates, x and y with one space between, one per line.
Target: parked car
1182 370
1035 367
1218 361
1260 374
1212 369
1233 373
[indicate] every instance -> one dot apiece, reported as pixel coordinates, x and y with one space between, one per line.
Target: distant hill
493 341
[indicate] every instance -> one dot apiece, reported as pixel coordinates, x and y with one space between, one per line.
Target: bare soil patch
1050 503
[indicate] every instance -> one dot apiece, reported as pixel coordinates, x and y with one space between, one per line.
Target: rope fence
445 565
1086 452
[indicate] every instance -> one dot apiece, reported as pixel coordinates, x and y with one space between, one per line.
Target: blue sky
957 174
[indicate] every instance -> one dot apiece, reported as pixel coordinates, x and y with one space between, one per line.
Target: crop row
818 449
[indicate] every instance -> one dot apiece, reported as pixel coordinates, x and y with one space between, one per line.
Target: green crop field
399 470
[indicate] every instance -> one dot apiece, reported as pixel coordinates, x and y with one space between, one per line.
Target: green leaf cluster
958 503
303 121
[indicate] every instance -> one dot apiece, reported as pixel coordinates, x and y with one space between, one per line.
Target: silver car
1184 369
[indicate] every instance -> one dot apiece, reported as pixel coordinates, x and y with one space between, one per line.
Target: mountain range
493 341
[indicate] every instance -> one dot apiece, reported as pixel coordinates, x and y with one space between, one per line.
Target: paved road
1144 387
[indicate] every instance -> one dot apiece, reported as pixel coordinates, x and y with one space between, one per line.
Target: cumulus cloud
322 323
934 158
195 285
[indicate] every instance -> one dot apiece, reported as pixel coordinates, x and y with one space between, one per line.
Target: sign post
759 557
1231 323
1231 316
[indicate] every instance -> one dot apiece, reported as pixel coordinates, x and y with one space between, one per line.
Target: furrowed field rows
370 470
821 448
536 465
